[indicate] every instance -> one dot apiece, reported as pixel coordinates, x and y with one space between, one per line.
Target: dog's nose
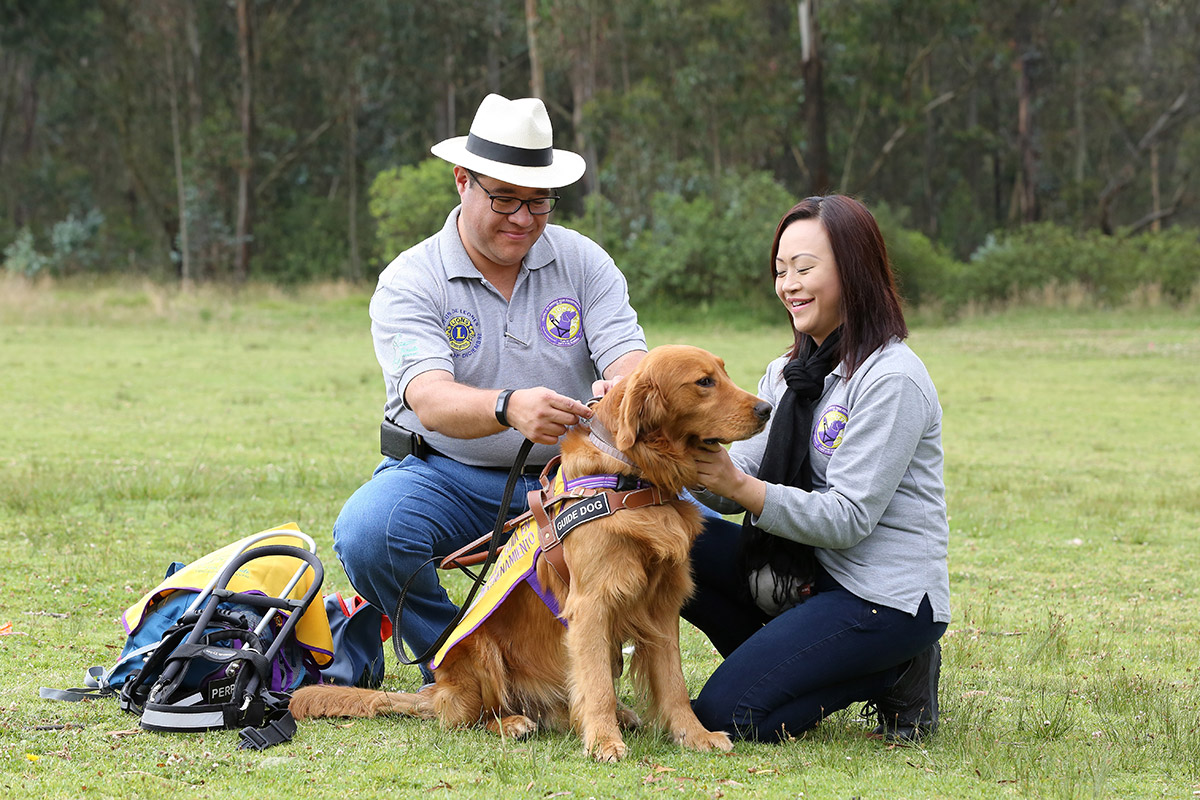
762 410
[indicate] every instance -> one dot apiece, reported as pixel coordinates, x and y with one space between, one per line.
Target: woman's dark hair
871 313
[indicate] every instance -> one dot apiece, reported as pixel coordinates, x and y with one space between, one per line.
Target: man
488 332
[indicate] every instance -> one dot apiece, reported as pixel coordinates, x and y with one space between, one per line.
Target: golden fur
630 575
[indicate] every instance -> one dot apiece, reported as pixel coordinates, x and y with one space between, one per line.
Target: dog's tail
347 701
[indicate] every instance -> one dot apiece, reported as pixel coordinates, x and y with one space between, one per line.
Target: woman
841 591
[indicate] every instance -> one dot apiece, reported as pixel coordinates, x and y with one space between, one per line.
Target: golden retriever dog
629 575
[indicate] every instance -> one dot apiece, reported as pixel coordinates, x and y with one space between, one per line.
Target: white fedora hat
512 141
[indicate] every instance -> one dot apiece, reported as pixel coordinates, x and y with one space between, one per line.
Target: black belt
396 442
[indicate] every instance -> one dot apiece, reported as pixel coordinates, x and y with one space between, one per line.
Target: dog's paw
704 741
608 750
514 726
517 727
628 719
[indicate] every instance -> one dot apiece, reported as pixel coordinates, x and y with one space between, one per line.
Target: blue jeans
408 512
782 675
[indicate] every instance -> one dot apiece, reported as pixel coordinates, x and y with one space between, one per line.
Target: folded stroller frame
235 657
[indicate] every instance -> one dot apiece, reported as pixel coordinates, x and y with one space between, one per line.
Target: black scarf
785 461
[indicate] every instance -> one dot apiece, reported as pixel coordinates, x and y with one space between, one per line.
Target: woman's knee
722 712
713 714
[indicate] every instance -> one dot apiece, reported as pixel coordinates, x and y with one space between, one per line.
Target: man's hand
543 415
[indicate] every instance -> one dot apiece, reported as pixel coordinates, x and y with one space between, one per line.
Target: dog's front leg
593 692
658 660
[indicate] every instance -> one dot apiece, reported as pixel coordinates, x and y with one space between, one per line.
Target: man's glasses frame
506 205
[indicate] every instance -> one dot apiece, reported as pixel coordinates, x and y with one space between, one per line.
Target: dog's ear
641 409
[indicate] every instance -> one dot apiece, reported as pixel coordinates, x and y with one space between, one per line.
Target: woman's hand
718 474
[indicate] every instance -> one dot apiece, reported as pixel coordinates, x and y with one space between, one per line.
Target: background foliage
271 138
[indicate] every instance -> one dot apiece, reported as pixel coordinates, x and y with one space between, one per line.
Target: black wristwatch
502 407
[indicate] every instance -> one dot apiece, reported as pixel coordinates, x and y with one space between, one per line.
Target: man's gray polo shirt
569 319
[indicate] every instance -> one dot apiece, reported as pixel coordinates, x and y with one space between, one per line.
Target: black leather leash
493 551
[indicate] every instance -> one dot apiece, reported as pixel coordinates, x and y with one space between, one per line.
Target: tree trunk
10 72
899 134
192 35
931 158
352 180
583 89
1027 193
537 75
848 162
245 225
1155 194
449 118
494 43
814 97
284 161
1126 173
1081 142
185 250
29 114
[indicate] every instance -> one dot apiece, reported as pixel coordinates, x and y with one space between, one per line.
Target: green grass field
141 426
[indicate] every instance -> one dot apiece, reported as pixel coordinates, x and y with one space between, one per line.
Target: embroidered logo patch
828 433
562 323
462 331
402 348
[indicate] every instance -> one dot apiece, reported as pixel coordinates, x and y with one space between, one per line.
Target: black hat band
507 154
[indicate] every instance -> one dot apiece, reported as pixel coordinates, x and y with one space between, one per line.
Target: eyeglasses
502 204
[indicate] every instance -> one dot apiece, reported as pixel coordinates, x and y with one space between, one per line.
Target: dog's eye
707 382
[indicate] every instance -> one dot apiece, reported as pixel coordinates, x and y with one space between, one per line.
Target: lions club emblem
562 323
462 331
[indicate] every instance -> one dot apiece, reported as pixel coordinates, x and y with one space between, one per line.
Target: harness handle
493 551
466 556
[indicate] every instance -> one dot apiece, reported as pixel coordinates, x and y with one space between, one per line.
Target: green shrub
602 222
1170 259
669 258
1010 263
410 203
924 271
73 247
1108 268
212 242
72 243
705 241
22 257
749 209
303 241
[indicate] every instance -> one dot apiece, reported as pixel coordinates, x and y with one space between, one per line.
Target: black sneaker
909 710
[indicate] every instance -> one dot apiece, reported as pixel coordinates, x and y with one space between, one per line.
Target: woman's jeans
782 675
409 512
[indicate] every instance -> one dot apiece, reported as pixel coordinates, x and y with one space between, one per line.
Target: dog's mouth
712 443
